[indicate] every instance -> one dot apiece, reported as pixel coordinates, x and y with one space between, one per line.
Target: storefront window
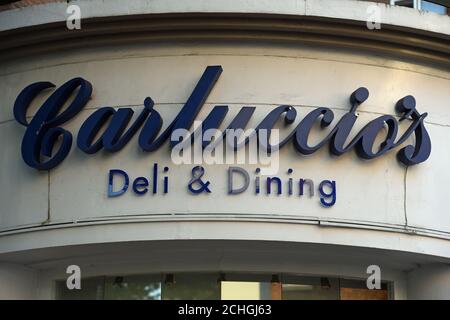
197 286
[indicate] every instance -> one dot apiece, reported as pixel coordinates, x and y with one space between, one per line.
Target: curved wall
381 204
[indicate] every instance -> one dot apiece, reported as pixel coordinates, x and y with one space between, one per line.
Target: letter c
42 131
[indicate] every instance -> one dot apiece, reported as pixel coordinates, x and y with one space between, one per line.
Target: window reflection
91 289
433 7
133 288
191 286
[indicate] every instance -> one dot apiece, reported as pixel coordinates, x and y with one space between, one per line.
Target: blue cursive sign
110 125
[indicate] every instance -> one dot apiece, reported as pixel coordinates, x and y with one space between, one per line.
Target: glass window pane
357 290
91 289
363 294
433 7
140 287
310 288
246 290
191 286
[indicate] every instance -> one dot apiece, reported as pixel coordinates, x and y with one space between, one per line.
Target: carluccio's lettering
46 143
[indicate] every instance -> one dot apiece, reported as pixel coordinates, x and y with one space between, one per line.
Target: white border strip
339 9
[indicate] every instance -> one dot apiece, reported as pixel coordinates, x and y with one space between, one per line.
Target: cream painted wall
18 282
429 282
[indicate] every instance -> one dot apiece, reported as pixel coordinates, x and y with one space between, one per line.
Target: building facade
90 184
